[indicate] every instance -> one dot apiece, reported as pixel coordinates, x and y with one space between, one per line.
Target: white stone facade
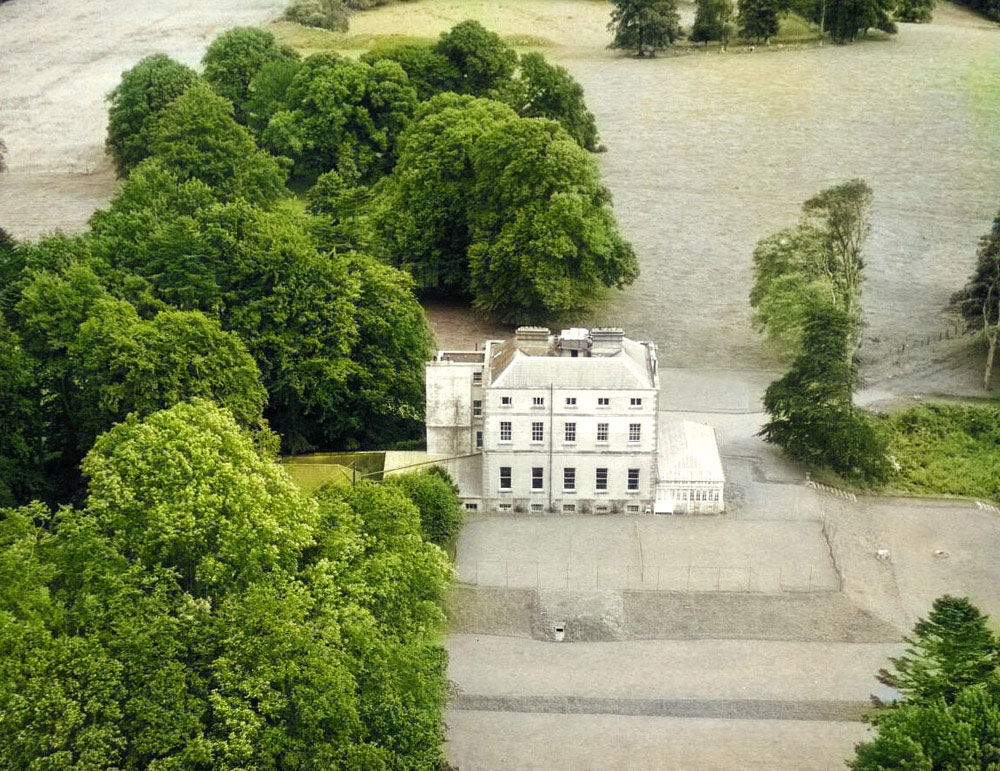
550 423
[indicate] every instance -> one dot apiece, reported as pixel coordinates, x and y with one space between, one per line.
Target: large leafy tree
429 71
436 497
712 21
422 220
197 137
544 240
137 103
342 115
235 57
758 19
644 26
543 90
951 649
507 209
915 10
124 365
260 274
846 19
485 63
21 422
979 300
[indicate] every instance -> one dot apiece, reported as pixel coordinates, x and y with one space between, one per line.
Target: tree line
647 26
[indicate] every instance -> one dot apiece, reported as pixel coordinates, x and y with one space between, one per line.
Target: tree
914 10
712 21
812 416
429 71
21 422
951 715
325 14
392 347
949 651
483 60
757 19
137 103
543 90
979 300
268 93
844 19
436 497
124 365
544 240
644 26
197 138
962 734
235 57
421 220
344 116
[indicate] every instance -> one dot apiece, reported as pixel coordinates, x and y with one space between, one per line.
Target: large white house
566 423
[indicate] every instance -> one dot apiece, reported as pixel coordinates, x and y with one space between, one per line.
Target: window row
569 478
569 432
569 401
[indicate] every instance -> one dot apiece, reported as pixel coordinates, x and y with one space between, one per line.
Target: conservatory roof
688 452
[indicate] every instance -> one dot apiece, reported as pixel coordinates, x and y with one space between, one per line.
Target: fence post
657 578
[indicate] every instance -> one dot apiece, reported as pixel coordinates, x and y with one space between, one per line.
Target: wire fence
874 350
513 574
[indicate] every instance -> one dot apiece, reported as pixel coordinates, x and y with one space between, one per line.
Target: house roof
629 369
687 451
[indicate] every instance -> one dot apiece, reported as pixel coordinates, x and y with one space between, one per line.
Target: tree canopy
484 62
235 57
197 137
758 19
508 209
136 104
712 21
198 612
644 26
950 717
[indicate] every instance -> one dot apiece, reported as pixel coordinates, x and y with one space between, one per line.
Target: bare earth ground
707 153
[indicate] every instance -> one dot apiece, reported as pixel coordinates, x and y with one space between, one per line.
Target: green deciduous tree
235 57
543 90
544 240
197 138
914 10
122 365
712 21
758 19
507 209
948 651
979 300
484 61
429 71
644 26
436 497
422 221
343 115
325 14
136 104
845 19
21 422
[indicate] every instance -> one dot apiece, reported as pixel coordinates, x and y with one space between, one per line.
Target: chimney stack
606 341
533 341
